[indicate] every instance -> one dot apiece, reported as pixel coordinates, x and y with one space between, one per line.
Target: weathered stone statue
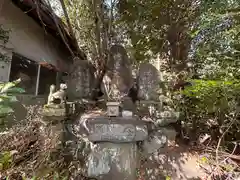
58 97
55 109
118 79
114 134
54 114
152 108
115 131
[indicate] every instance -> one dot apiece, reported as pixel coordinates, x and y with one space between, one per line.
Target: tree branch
59 29
68 21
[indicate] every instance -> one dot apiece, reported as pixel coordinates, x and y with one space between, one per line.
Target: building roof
43 15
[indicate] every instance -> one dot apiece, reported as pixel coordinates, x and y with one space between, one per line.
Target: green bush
5 160
208 105
7 96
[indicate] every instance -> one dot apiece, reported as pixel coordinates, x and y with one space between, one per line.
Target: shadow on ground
177 163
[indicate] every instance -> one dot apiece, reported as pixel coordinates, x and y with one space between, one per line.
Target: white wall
28 38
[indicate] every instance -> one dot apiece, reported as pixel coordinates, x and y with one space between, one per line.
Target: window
36 78
48 76
25 69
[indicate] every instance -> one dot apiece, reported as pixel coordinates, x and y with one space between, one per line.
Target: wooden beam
38 78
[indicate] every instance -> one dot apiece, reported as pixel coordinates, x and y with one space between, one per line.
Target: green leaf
5 159
4 87
34 178
5 110
15 90
7 99
168 178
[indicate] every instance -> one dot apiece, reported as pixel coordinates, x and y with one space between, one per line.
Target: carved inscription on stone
114 132
148 82
81 79
117 132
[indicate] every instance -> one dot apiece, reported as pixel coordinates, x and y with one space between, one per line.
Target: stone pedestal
111 161
53 115
115 153
155 141
165 118
149 108
116 129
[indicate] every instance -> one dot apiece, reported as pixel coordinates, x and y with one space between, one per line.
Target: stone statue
51 91
118 79
59 97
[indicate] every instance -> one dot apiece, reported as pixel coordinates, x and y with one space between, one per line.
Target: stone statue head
63 86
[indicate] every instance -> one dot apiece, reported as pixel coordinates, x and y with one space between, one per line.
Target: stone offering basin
116 129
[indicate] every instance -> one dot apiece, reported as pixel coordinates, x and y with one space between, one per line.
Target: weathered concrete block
109 161
154 142
170 133
53 114
148 82
167 117
113 108
116 129
54 111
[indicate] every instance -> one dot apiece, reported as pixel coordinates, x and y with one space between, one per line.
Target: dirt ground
173 163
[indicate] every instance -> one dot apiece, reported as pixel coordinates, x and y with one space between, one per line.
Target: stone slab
58 112
109 161
167 117
154 143
117 129
148 82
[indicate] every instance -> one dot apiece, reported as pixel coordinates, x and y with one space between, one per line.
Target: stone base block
154 142
170 133
116 129
109 161
53 114
148 108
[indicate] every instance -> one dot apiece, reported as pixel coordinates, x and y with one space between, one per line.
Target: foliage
158 28
82 15
5 160
209 105
7 91
91 22
212 96
215 48
4 37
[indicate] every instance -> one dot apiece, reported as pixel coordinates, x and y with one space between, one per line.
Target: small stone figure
58 97
55 110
